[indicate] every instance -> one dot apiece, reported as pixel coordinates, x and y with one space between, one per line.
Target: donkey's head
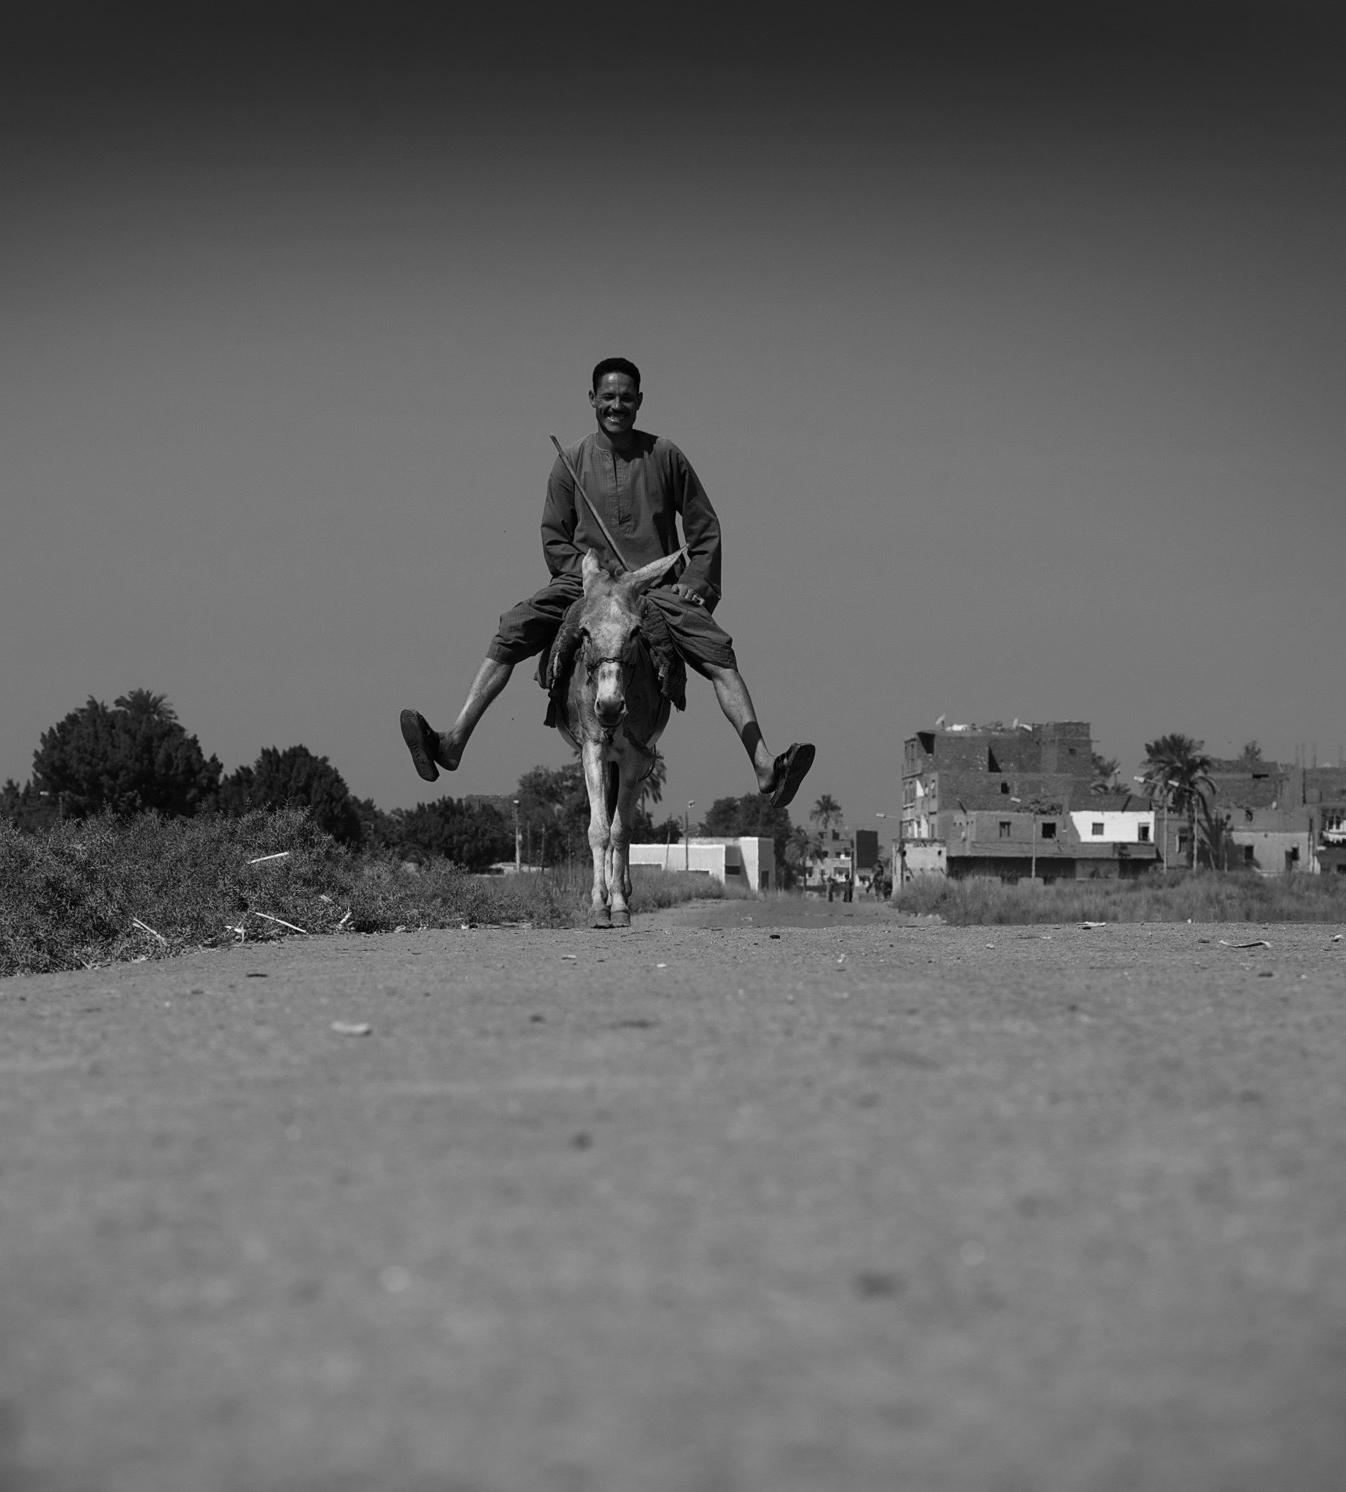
610 630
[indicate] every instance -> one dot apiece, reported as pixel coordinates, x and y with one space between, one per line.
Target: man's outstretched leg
780 776
431 749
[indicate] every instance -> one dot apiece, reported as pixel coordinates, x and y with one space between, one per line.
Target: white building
746 862
1114 826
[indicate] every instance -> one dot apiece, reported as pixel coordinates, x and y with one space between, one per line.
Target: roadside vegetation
107 889
129 842
1179 896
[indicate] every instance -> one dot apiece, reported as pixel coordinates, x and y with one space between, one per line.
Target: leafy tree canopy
295 778
1105 769
376 826
826 812
132 757
669 831
473 835
26 808
1177 771
554 813
751 814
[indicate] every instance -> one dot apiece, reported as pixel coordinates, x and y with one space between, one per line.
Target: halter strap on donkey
554 667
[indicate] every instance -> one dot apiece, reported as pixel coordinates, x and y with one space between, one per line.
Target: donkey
613 712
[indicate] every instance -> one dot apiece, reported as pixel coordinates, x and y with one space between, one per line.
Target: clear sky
1009 349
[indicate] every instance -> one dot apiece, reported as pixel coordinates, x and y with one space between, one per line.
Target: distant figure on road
640 485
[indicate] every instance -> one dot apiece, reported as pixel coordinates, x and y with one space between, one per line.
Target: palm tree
1104 769
826 812
1177 772
652 787
145 704
798 852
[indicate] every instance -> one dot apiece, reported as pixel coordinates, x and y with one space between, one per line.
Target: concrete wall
747 862
926 858
1118 827
1269 851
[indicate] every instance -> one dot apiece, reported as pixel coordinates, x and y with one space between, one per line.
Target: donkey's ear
590 569
641 580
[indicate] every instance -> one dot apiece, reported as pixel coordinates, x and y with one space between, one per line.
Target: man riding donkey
632 488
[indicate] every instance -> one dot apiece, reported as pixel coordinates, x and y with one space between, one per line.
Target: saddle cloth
553 671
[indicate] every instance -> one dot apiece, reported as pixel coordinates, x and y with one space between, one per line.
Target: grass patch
1210 896
106 890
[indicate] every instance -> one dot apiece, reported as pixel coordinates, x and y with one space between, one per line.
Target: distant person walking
640 485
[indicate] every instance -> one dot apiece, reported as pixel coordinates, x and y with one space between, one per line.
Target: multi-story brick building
1022 800
1275 819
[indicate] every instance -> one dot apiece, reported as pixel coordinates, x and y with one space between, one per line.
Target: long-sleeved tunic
642 496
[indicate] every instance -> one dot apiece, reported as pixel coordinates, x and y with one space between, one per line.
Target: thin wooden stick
147 928
282 922
579 487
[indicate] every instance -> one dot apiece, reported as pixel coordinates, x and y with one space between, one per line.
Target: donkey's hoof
601 919
621 918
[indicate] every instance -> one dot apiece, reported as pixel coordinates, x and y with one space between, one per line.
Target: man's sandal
791 767
422 742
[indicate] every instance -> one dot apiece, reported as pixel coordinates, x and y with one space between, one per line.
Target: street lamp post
687 835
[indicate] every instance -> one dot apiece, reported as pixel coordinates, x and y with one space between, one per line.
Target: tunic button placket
623 507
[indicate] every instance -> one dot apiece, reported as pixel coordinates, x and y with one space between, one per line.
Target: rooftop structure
1020 800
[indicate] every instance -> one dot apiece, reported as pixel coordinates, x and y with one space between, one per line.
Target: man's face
615 402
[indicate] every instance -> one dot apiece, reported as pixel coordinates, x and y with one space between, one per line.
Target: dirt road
713 1205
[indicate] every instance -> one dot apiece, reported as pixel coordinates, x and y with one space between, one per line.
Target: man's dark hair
616 365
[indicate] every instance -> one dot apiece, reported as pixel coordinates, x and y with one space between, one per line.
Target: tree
554 813
473 835
1251 756
1177 772
295 778
145 704
798 853
26 808
667 832
751 815
1105 769
376 827
132 757
1218 832
652 787
825 812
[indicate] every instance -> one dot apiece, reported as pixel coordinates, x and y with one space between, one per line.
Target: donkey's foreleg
594 772
623 816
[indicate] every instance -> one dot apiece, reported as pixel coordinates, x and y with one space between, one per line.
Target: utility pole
687 835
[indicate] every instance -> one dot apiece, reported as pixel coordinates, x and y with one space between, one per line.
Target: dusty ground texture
713 1205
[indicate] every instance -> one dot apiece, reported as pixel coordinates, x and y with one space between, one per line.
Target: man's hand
687 594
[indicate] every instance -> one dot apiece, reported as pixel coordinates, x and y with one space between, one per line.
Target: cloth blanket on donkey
553 671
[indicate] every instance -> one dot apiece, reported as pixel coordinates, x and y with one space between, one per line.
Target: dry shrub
1208 896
